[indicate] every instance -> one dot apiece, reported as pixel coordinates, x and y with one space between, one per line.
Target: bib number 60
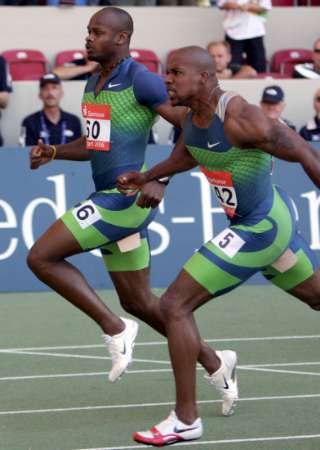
93 129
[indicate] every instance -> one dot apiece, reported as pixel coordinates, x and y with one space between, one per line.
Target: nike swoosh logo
178 430
110 85
226 386
213 145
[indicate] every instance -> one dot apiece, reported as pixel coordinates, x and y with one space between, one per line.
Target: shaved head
193 56
115 18
190 76
109 34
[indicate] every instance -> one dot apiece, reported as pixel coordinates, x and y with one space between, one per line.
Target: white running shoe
169 431
120 347
225 380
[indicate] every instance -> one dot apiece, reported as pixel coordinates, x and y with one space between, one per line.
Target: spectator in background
5 87
310 70
244 27
221 53
272 104
311 131
52 125
79 68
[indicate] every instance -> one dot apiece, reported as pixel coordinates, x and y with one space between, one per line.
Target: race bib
98 126
228 242
86 214
221 183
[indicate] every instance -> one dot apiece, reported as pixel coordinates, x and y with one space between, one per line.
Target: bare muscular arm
248 127
73 151
179 161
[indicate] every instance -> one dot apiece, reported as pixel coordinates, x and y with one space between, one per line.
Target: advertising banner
189 215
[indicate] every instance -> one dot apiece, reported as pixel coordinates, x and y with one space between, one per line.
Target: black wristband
163 180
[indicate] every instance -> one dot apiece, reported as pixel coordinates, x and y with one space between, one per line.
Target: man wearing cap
52 125
272 104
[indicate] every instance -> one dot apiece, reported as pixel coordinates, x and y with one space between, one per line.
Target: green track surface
77 408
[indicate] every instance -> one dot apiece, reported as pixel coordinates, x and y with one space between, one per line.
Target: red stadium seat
66 56
283 61
148 58
284 3
26 64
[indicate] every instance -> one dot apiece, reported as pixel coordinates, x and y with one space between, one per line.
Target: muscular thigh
106 218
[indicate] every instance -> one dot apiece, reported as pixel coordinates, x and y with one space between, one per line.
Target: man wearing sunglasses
310 70
311 131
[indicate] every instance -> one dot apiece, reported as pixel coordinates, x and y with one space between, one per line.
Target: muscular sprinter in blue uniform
233 143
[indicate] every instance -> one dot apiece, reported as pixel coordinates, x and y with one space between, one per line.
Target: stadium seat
283 61
25 64
284 3
67 56
148 58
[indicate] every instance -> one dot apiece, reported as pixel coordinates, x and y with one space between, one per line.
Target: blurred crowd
240 55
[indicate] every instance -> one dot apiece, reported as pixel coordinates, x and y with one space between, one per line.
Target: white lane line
151 343
306 363
57 375
145 371
293 372
83 374
144 405
265 338
73 355
223 441
59 355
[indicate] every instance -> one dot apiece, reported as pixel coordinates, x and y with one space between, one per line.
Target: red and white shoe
169 431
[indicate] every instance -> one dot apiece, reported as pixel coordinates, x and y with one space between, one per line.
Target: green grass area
55 394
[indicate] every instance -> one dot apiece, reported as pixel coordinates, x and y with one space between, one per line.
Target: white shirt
240 25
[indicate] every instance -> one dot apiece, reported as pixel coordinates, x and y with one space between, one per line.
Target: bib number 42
226 195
